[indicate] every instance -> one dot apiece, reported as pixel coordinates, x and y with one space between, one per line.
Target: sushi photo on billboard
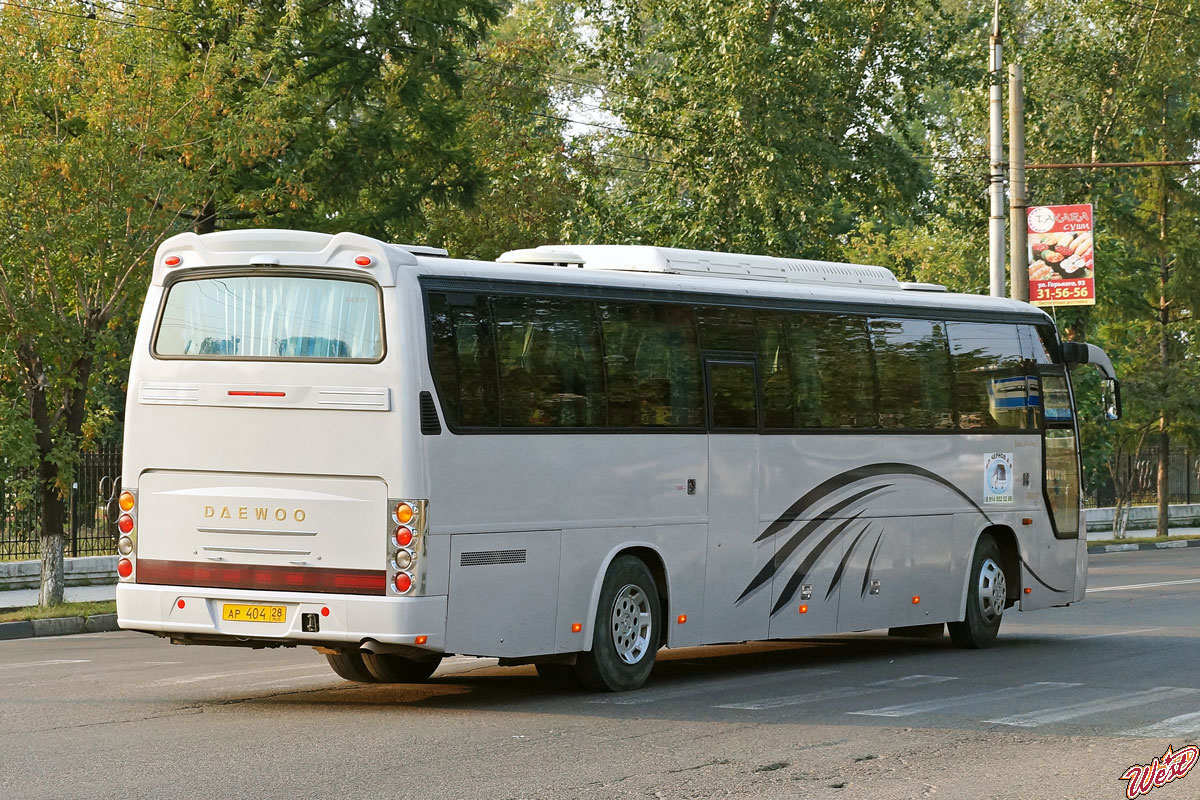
1061 263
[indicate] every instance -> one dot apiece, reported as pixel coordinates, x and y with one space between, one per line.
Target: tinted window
652 365
732 394
775 370
834 386
991 384
464 358
913 372
549 359
726 328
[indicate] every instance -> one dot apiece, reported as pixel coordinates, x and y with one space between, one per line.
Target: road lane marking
1046 716
1104 635
1143 585
699 687
908 709
1183 725
840 693
219 675
55 662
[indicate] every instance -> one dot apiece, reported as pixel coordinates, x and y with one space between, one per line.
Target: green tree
87 107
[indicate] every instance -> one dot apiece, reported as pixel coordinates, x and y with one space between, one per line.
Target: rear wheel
987 593
392 668
350 666
626 635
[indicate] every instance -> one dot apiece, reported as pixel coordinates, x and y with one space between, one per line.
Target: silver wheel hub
631 624
993 591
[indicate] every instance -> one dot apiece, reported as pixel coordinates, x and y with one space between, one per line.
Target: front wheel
625 638
987 594
392 668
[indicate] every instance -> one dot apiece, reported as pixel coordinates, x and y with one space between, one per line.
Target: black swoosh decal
1025 564
818 550
798 538
827 487
870 563
837 576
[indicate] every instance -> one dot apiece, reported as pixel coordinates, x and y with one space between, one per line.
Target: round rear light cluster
125 544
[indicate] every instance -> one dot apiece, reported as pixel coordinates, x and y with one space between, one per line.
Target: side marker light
803 609
1028 590
172 261
421 640
681 619
916 599
1027 521
363 261
576 627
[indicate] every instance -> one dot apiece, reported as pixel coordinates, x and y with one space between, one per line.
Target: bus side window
836 349
781 408
549 359
991 380
464 358
652 365
912 363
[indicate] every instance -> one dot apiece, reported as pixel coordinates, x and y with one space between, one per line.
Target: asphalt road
1066 701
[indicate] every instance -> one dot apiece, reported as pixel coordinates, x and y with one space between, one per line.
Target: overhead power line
1115 165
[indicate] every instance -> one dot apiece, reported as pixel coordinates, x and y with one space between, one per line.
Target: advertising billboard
1061 263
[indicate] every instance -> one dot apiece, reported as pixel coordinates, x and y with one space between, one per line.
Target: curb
58 626
1123 548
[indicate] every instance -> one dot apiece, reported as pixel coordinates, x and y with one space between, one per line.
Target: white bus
575 456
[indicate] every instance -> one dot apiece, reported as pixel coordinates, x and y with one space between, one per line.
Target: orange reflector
172 261
421 640
682 618
126 501
803 609
576 627
1028 590
916 599
404 513
1027 521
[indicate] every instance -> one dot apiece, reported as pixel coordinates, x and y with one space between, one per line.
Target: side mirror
1111 398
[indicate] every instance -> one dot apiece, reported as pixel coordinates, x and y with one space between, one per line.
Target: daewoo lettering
254 512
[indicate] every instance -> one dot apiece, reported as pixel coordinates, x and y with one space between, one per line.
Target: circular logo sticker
1041 219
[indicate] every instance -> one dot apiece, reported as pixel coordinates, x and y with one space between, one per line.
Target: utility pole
1018 200
996 177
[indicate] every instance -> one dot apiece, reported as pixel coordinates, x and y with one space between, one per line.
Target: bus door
1055 564
734 558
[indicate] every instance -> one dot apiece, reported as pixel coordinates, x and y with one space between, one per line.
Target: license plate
245 613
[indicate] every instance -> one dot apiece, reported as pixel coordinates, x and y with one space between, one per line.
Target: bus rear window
271 317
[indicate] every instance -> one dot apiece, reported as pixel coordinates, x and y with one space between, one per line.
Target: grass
1133 537
63 610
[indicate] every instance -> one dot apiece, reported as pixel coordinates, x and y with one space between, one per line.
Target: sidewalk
24 598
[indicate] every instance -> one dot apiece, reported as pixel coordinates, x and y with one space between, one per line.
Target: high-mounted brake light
363 261
172 261
126 501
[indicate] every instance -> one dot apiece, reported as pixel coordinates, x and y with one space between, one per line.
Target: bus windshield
271 317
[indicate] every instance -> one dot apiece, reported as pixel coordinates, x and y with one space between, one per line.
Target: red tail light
124 567
125 523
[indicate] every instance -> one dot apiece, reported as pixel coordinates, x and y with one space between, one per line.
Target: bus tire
350 666
986 597
625 637
392 668
559 676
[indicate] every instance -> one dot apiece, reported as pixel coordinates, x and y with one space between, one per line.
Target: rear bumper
352 619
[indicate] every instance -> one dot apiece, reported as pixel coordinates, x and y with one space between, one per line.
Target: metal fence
1141 471
91 530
